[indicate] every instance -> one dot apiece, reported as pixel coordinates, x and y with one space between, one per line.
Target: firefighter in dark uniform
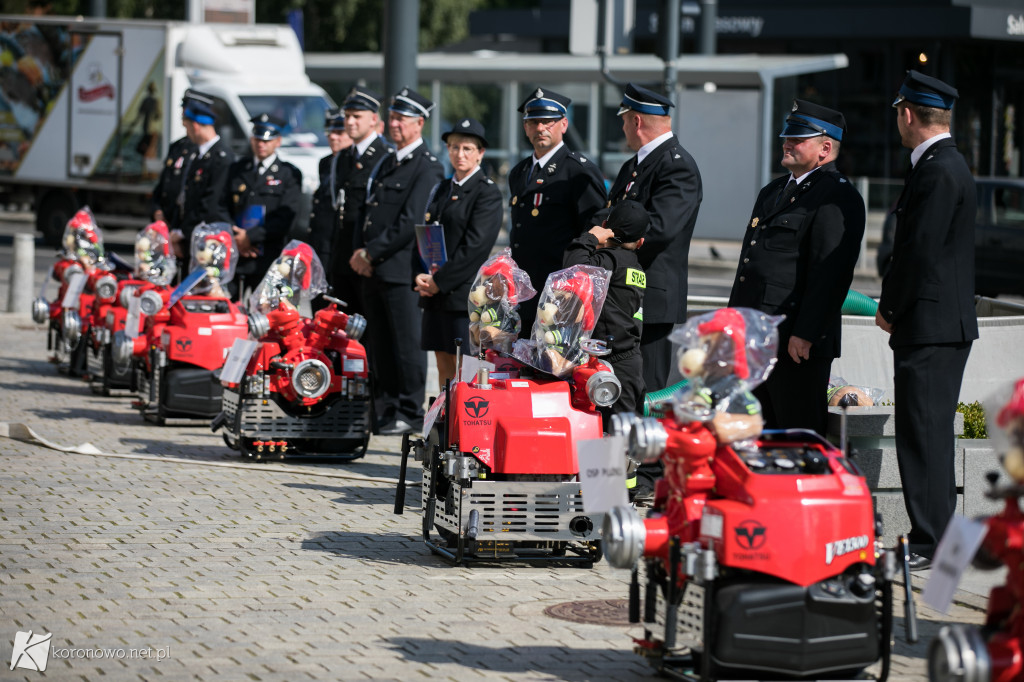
664 178
613 246
165 195
324 211
797 259
263 199
164 202
927 307
348 181
396 203
469 208
554 194
201 198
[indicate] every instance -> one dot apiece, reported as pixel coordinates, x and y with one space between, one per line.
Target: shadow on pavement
384 548
93 415
604 663
353 494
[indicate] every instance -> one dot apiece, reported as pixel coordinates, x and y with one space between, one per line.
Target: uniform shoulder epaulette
579 158
489 181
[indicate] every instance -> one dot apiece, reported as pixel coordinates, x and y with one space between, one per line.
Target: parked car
998 242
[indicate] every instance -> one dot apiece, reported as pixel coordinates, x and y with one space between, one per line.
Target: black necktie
533 171
786 192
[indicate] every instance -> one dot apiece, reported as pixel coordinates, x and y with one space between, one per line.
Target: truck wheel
53 211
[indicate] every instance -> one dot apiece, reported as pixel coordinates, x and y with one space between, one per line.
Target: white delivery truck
88 107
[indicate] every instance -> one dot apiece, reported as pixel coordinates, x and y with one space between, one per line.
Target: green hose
857 303
653 401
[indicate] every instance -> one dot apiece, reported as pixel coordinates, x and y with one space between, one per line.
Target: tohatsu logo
476 409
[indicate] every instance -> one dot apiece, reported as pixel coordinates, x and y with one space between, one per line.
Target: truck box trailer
88 107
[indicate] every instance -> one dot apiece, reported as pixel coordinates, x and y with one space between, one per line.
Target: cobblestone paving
250 573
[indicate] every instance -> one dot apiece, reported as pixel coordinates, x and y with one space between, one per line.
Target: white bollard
19 293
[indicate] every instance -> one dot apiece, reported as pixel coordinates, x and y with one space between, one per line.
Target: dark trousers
927 386
656 355
398 365
344 282
795 396
350 293
628 371
527 316
656 351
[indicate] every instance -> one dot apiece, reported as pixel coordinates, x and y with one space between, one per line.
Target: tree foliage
328 25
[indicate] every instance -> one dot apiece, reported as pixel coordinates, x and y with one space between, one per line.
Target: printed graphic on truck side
81 104
34 64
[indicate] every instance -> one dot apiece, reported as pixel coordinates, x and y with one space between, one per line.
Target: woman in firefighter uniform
468 206
263 200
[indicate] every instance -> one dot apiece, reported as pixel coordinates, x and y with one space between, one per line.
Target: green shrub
974 420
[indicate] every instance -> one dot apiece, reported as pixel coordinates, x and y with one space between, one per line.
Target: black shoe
396 428
916 562
641 495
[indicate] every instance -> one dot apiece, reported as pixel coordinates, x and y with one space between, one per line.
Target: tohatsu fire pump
498 450
761 555
116 304
81 265
187 340
302 385
995 652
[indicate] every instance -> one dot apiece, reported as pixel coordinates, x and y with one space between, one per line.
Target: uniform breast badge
753 223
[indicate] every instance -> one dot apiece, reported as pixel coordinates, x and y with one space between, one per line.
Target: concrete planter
995 358
871 434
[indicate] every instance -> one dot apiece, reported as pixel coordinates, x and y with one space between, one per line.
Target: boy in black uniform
612 245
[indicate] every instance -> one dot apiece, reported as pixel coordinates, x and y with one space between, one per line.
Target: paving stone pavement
269 572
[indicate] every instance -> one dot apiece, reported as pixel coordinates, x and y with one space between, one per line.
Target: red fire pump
154 265
305 389
761 553
81 265
498 450
995 652
185 342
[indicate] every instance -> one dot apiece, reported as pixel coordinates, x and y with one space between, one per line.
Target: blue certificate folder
253 216
430 244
